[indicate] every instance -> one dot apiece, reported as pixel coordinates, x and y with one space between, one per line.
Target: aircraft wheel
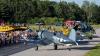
36 48
0 42
91 38
69 49
55 47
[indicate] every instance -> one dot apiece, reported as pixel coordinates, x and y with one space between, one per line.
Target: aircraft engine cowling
45 37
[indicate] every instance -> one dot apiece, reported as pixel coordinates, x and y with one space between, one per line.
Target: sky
79 1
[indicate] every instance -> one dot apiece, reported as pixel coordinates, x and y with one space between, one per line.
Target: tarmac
62 50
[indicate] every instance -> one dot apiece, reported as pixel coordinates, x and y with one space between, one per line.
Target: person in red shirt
70 23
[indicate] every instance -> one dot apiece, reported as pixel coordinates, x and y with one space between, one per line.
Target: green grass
57 28
96 26
36 27
94 52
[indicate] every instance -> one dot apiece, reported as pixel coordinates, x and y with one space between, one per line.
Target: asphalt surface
29 50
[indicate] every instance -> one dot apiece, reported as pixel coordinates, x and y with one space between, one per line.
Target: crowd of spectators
14 37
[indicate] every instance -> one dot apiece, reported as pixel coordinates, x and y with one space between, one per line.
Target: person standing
70 23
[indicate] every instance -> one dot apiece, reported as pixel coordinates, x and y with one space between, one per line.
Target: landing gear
69 46
36 48
55 47
69 49
91 38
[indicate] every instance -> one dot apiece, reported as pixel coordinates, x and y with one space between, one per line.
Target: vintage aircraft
7 28
86 29
45 37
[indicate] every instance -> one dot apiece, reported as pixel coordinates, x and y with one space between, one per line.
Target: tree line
33 10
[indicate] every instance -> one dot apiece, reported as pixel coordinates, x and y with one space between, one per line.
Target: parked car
84 30
58 24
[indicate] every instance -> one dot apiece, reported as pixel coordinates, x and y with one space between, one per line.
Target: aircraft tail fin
72 35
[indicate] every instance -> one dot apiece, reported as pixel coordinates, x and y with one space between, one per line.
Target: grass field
95 51
36 27
96 26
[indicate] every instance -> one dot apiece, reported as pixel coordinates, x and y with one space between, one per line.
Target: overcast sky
80 1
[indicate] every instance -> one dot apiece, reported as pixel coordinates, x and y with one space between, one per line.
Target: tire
0 43
36 48
55 46
91 38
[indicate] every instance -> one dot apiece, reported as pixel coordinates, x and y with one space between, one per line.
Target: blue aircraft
45 37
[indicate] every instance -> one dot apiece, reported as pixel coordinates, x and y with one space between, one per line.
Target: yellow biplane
11 28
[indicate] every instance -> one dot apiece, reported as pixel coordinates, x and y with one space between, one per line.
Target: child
65 30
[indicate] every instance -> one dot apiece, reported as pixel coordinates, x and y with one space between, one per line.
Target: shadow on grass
96 47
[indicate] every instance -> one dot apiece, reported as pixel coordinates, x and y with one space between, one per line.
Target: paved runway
62 50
